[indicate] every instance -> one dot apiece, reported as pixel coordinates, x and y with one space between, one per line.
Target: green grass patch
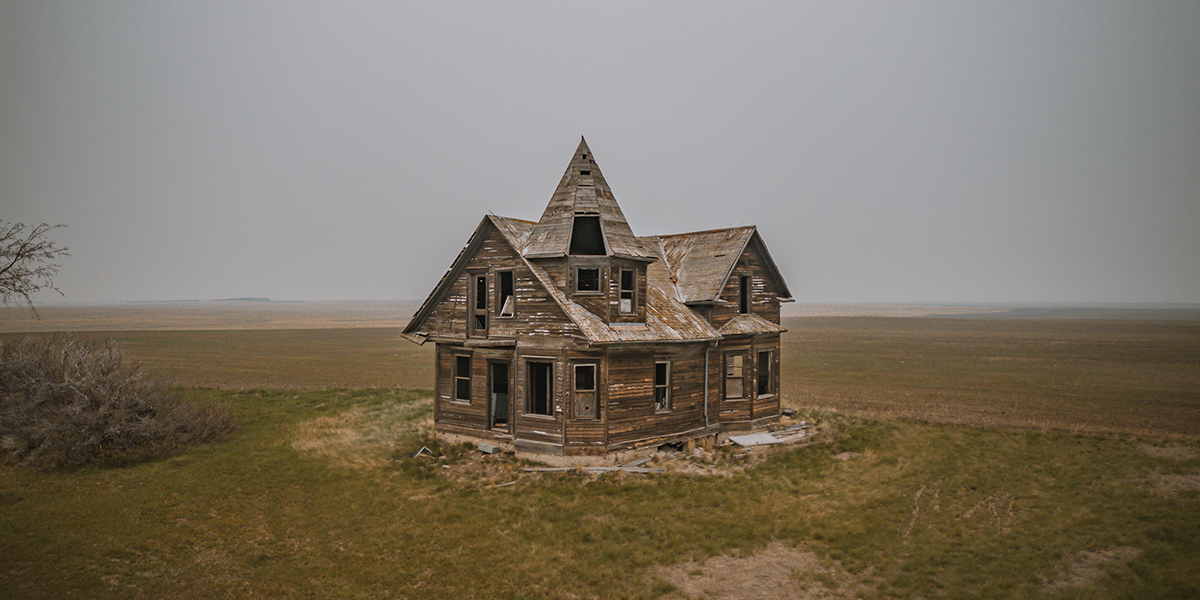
317 496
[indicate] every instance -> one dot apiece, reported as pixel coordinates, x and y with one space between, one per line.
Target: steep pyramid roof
582 193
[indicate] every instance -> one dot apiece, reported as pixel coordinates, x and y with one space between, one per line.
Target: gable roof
702 261
682 269
583 191
514 232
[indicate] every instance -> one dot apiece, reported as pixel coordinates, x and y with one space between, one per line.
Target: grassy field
965 458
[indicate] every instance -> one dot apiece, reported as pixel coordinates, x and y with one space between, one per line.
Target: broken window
587 279
586 237
540 392
734 375
585 392
662 386
628 289
479 304
504 290
462 378
766 366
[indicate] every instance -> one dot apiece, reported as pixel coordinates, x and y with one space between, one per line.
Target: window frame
477 319
662 391
460 379
501 298
769 366
528 404
599 291
632 291
741 377
745 294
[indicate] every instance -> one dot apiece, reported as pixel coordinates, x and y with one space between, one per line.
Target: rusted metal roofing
583 191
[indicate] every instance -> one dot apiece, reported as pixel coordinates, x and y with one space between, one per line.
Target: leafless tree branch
28 261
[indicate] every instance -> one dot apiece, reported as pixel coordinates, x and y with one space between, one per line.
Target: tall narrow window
462 378
662 386
479 304
766 367
585 392
744 296
734 375
540 391
628 291
504 294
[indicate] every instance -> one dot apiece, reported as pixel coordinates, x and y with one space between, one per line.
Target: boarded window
766 368
504 291
628 289
662 386
540 394
734 375
462 378
586 237
587 279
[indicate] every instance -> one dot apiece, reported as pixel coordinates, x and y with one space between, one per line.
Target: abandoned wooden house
572 335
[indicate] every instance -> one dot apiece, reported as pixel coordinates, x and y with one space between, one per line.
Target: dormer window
587 239
587 279
628 301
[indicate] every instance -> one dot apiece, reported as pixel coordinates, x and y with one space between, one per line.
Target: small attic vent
583 156
585 172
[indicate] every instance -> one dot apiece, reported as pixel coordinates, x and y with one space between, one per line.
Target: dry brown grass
1130 377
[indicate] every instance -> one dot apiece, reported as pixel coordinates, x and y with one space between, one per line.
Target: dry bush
66 404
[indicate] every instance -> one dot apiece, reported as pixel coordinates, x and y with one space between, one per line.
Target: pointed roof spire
583 193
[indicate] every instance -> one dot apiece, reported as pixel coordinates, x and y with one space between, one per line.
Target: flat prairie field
957 457
1056 370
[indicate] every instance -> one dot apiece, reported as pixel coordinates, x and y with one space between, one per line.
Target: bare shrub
66 404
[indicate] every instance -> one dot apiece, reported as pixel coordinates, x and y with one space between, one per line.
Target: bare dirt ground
777 571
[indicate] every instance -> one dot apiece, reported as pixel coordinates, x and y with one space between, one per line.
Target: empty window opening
587 279
662 386
734 374
505 290
766 365
744 296
585 172
628 289
540 389
585 378
462 378
586 237
499 410
479 304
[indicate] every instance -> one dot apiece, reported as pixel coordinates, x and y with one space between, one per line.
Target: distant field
1136 376
322 492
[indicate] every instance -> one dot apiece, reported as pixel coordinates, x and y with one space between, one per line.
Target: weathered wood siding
751 409
764 301
535 311
631 415
453 414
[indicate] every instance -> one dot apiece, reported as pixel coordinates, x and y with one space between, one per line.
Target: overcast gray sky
1016 151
